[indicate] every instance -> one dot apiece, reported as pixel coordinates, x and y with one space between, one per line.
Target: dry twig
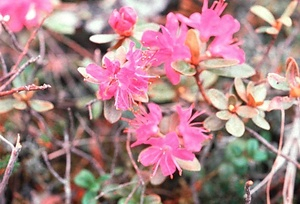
12 160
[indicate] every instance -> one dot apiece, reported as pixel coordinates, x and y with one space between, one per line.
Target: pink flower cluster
26 13
177 140
220 29
169 43
122 78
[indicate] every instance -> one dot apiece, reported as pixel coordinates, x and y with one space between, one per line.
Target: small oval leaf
278 82
193 165
6 105
158 178
84 179
40 105
246 111
224 114
280 103
240 89
240 70
111 114
290 9
263 13
20 105
183 68
235 126
218 99
103 38
218 63
213 123
261 122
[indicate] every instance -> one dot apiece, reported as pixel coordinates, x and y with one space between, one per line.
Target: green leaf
224 114
240 88
111 114
235 126
40 105
131 201
246 111
193 165
240 162
161 92
158 178
89 198
260 156
267 29
280 103
183 68
64 22
218 63
240 70
103 38
218 99
235 149
225 170
152 199
278 82
109 191
252 146
260 92
20 105
213 123
290 9
103 178
6 105
286 20
261 122
263 13
208 78
84 179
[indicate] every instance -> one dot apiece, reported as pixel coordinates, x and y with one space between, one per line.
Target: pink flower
168 46
193 133
123 21
26 13
145 125
209 21
163 153
125 82
210 24
224 45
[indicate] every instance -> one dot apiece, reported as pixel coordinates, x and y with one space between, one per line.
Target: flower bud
123 21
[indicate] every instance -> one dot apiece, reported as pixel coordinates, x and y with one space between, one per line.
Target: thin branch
12 37
119 186
271 147
277 157
72 44
52 171
3 64
142 182
200 85
18 72
91 159
248 184
67 184
89 106
31 87
11 163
